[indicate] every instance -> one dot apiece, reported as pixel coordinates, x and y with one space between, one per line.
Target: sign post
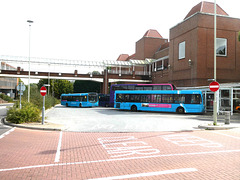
214 87
21 88
43 92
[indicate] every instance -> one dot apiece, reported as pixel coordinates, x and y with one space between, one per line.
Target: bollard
227 117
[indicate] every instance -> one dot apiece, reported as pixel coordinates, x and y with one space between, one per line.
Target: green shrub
28 113
6 98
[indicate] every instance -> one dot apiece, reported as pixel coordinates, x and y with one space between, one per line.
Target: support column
133 73
105 82
75 73
150 70
18 70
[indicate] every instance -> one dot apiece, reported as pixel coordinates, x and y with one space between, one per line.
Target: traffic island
219 126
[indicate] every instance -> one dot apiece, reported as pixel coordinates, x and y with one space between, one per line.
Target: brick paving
31 154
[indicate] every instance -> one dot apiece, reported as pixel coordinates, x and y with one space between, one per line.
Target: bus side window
148 88
167 98
135 98
74 98
65 98
119 98
157 87
69 98
138 88
166 87
179 98
153 98
145 98
127 98
156 98
130 87
196 99
188 98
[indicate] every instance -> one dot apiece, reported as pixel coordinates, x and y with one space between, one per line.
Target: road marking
8 132
173 171
121 159
57 157
189 140
227 135
126 146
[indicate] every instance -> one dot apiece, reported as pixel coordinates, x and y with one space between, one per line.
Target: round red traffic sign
214 86
43 91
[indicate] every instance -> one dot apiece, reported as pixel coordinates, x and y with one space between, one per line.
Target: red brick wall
147 47
197 32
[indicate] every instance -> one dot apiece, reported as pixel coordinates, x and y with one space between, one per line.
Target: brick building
187 59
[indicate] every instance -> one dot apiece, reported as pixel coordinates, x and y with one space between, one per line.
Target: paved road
33 154
156 148
3 113
112 120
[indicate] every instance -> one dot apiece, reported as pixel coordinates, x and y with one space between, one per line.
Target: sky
92 30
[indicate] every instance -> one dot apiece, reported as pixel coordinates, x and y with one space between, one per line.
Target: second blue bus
80 100
180 101
131 87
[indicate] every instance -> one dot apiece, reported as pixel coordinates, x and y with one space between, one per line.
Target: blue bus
80 99
180 101
117 87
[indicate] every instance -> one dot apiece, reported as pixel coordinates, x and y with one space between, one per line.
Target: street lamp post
215 65
29 22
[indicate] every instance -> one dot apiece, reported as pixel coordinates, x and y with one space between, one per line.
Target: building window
221 47
181 50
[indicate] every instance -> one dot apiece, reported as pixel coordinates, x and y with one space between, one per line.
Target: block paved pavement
35 154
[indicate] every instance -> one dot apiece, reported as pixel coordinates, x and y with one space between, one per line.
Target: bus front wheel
80 105
134 108
180 110
67 104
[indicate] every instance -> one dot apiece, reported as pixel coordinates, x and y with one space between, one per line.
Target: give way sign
214 86
43 91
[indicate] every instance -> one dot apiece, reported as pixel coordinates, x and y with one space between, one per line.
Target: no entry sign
214 86
43 91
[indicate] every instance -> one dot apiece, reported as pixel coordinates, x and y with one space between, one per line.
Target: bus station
228 97
81 139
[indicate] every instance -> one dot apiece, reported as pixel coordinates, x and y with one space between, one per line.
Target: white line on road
121 159
173 171
227 135
8 132
57 157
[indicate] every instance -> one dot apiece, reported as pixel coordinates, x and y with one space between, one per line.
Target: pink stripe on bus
161 105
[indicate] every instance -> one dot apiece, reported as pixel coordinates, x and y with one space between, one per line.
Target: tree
57 87
86 86
96 73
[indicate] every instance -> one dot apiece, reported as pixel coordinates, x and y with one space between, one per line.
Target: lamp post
215 65
29 22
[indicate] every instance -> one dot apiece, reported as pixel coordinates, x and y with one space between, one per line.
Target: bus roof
159 92
141 84
78 94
